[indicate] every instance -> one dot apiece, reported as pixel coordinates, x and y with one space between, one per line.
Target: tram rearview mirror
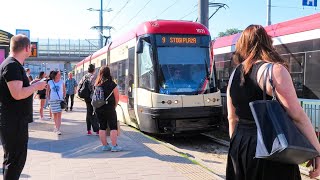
140 44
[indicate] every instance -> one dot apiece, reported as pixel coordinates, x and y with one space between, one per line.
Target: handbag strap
109 95
268 69
231 76
56 88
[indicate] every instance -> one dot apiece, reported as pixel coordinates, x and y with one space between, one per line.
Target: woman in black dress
253 50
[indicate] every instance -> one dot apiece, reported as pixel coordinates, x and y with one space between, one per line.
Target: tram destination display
182 40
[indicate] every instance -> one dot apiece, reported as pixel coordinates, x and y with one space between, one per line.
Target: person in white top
56 93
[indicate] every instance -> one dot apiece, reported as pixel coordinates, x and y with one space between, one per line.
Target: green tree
229 32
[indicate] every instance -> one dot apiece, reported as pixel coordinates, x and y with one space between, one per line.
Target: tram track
200 149
217 140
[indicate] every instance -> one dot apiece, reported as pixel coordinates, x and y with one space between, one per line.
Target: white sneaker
59 132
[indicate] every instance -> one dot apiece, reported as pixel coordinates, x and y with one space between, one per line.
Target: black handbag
278 138
63 104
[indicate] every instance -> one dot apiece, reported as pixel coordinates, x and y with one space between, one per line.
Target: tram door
131 84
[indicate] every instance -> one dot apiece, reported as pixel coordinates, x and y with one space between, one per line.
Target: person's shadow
21 176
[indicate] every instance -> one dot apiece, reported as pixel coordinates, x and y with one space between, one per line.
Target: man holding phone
16 107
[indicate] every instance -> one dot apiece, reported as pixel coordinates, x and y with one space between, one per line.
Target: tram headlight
176 101
208 100
169 102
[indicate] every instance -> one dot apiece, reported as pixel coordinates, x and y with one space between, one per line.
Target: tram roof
153 27
306 23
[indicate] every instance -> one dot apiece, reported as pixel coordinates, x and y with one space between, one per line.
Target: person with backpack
85 90
105 100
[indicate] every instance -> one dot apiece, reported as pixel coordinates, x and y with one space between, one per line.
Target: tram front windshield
183 70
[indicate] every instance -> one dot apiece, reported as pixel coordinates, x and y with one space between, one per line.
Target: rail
310 106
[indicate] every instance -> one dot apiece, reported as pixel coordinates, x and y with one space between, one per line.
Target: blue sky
69 18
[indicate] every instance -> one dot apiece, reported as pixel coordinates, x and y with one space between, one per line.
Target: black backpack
98 99
84 88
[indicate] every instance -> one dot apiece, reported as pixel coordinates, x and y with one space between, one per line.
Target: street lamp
101 19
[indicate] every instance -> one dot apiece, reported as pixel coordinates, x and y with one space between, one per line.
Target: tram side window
118 73
113 71
103 62
145 68
122 76
296 68
312 81
130 75
224 66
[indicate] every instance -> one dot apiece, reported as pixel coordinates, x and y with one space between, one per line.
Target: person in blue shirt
71 87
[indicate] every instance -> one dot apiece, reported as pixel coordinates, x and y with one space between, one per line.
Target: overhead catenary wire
145 5
188 14
108 4
291 7
105 8
166 9
114 17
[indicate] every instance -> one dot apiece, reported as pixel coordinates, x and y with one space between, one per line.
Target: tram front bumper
179 120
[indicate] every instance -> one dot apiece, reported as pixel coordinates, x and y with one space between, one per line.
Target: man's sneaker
106 148
58 132
116 148
66 109
89 133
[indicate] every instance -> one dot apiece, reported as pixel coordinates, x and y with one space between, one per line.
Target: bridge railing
67 47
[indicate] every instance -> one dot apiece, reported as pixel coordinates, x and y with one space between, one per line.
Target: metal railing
310 106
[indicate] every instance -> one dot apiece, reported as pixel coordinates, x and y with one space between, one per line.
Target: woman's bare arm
232 117
286 94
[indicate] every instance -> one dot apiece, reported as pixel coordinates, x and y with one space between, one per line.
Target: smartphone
43 79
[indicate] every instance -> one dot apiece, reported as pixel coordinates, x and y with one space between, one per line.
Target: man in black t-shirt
16 107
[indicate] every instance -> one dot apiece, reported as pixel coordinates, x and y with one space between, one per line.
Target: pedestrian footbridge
58 54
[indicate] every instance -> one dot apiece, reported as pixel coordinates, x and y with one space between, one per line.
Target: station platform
74 155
